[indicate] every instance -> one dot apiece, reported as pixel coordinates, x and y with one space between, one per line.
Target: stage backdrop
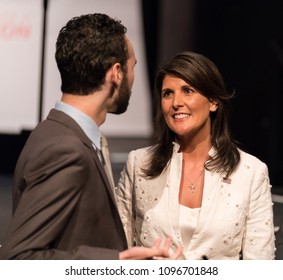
20 50
20 46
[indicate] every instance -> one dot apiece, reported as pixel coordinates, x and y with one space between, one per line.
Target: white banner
20 54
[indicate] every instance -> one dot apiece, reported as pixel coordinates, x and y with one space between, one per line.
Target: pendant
192 186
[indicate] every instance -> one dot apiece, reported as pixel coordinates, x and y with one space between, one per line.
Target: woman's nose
177 101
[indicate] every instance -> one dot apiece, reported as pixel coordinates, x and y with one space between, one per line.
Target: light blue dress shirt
87 124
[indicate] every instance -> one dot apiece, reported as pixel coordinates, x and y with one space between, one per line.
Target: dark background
244 39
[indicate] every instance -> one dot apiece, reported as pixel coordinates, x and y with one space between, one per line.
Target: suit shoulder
247 158
141 152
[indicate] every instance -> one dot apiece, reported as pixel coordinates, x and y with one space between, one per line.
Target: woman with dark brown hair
194 183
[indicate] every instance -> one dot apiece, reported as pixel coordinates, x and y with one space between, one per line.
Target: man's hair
86 48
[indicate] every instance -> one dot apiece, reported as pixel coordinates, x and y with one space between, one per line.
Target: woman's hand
166 247
153 253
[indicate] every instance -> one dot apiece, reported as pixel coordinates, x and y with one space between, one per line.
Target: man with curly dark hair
63 202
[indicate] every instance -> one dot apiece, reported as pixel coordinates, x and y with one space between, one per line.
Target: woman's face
186 111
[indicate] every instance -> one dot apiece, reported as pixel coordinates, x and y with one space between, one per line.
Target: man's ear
117 73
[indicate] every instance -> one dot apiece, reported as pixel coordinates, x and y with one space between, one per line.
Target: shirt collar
176 147
87 124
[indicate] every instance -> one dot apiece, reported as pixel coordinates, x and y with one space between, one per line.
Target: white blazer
236 217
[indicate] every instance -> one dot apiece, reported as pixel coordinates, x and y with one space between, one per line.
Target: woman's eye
166 93
188 90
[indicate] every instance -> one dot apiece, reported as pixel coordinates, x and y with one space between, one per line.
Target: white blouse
188 221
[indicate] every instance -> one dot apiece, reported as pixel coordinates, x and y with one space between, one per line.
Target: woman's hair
202 74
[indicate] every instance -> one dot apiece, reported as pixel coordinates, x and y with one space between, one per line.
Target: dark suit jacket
63 205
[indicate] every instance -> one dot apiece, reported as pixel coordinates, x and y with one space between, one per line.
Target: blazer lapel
212 182
104 175
173 184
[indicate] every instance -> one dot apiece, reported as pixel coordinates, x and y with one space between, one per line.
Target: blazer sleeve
126 199
259 240
53 185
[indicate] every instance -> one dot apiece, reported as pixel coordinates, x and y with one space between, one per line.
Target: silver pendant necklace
192 186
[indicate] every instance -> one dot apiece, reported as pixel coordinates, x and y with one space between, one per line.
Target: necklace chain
192 186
